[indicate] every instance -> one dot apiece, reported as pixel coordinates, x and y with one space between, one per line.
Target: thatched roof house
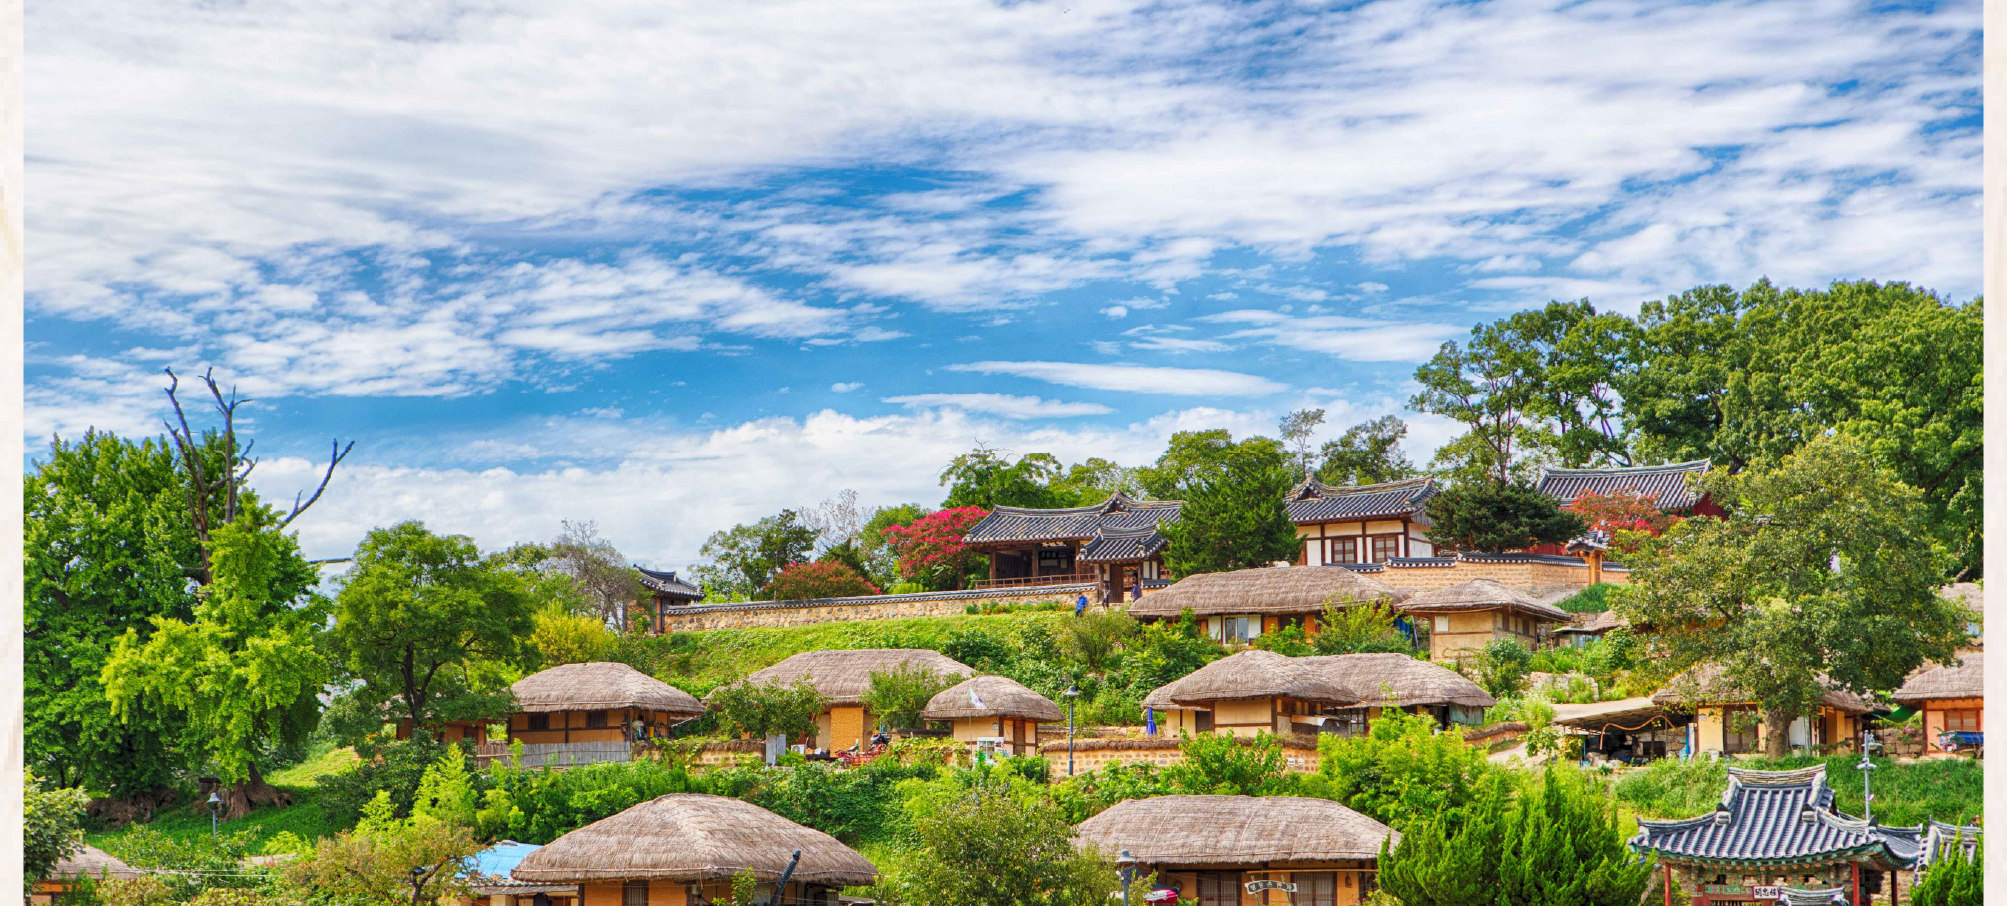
1729 719
1467 616
1953 701
1965 679
991 696
1399 680
1483 594
1212 845
844 676
1706 686
1263 692
92 862
696 840
1256 674
1265 590
600 686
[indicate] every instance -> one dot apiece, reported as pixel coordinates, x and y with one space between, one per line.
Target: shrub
396 770
1501 667
821 579
1494 517
767 710
1352 628
898 695
1400 771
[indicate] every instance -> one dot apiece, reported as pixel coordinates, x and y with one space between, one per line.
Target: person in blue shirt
1080 606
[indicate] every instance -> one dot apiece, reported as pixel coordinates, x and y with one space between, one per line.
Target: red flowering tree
821 579
1624 511
930 548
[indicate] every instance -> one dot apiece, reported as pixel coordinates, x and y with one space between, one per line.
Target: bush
897 696
1400 771
1360 629
821 579
1594 599
760 711
1501 667
1227 765
396 770
1495 517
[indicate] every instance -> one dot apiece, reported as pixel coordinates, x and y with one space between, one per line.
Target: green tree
1401 772
1296 429
898 695
991 846
1487 517
1825 566
880 559
1352 628
247 670
1234 516
745 558
108 546
1094 479
51 827
387 859
1191 455
1096 639
989 479
560 636
1213 764
1501 667
1555 842
417 619
446 791
1367 453
1954 879
768 710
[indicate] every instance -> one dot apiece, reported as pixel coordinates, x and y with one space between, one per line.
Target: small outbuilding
1245 850
1953 701
583 713
1257 692
994 708
87 862
1467 616
843 677
683 849
1234 608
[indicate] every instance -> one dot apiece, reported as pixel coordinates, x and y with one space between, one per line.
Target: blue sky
675 266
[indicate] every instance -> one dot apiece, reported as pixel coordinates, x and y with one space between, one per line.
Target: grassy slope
704 660
1905 794
303 817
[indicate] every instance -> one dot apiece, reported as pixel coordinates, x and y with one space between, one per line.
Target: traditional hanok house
1368 523
593 712
993 709
1257 692
1234 608
1727 721
1467 616
1630 730
665 590
1774 832
1114 543
87 862
843 677
1244 850
684 849
1583 628
1953 701
1671 488
489 883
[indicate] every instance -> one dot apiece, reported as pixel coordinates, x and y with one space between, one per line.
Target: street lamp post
1126 867
1072 692
215 809
1867 764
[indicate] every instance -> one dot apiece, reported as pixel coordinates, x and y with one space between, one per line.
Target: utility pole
1072 693
1867 765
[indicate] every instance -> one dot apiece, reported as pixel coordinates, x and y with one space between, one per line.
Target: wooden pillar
1669 884
1856 867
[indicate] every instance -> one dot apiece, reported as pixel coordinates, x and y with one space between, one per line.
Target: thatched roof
1234 831
1255 674
694 837
1966 679
1272 589
1159 744
1346 680
92 862
991 696
1705 685
1601 621
1483 594
600 686
844 676
1413 681
1594 716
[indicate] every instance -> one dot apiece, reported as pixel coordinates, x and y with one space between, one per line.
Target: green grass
324 760
1594 599
700 661
303 817
1905 794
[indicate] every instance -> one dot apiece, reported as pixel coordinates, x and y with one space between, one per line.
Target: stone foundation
700 617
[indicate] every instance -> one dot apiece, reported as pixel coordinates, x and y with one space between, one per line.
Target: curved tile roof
1315 501
667 583
1667 484
1777 817
1119 513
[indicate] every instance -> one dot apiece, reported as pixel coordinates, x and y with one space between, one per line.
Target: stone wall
698 617
1534 574
1298 755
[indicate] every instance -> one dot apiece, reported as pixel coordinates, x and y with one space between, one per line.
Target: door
1219 888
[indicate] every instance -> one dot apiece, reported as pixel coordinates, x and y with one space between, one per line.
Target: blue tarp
498 860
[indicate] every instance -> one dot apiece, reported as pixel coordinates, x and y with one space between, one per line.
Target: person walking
1080 606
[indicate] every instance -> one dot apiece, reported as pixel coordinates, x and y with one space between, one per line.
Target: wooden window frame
1373 547
1348 542
534 720
1964 727
628 891
596 720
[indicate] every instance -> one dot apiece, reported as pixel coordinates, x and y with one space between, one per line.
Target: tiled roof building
1114 542
1368 523
664 590
1670 486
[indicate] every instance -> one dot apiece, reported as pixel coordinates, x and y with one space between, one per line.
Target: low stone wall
699 617
1534 574
1298 755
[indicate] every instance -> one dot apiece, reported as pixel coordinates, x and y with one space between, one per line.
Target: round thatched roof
1413 681
1966 679
844 676
991 696
1255 674
1706 685
600 686
694 837
1234 831
92 862
1272 589
1483 594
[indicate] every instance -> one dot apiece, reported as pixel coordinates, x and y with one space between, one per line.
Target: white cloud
1116 311
1133 378
845 386
1353 339
1004 404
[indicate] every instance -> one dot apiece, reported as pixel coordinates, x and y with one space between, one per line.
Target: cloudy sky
671 266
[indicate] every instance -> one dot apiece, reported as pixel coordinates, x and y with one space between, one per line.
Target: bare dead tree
208 482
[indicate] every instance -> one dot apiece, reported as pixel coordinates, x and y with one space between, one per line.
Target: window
540 721
634 893
1316 888
1962 719
1238 630
1219 888
1385 547
595 720
1442 624
1344 550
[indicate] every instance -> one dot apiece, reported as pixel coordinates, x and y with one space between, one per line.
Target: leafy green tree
1367 453
1296 429
51 827
1954 879
1352 628
1501 667
1555 842
1234 516
881 560
989 479
561 636
419 616
745 558
1825 566
897 696
1214 764
446 791
1096 639
768 710
248 669
108 547
1401 772
1094 479
387 859
1488 517
1192 455
991 846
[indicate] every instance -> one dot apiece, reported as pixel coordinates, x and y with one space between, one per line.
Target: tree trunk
1777 732
253 791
